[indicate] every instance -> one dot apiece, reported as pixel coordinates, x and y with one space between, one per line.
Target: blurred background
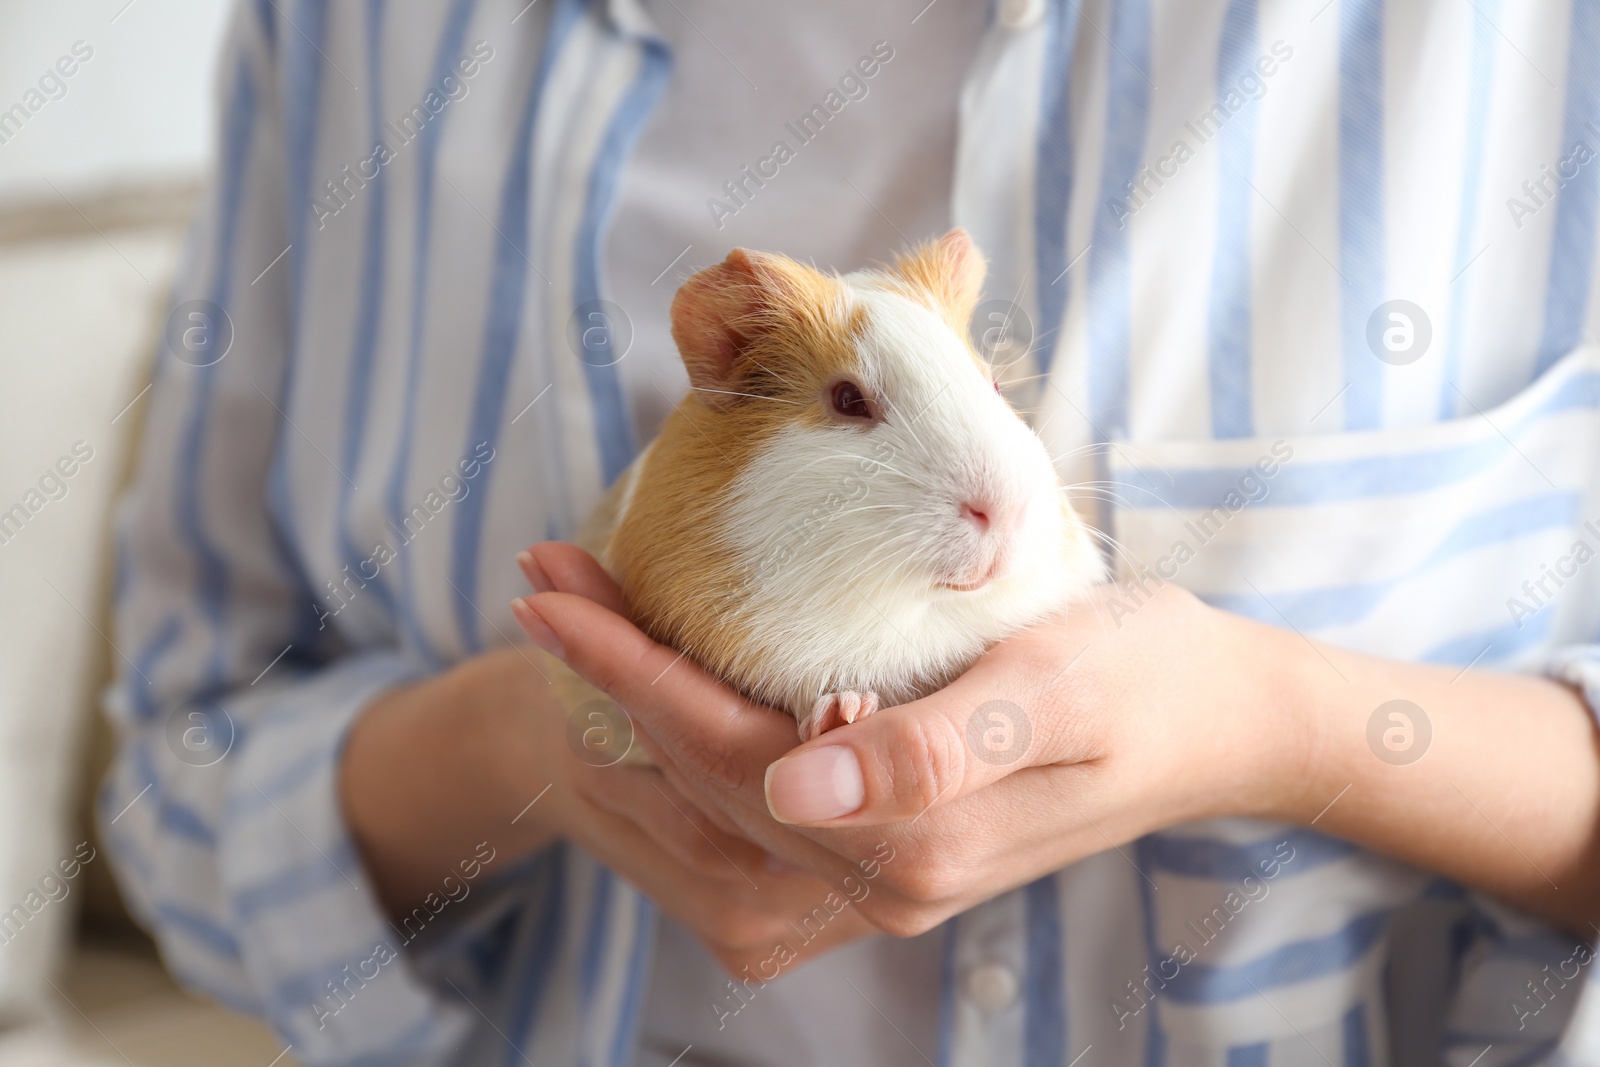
105 140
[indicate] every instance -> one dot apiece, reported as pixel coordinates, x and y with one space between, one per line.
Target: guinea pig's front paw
833 710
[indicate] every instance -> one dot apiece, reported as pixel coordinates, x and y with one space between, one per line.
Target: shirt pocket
1466 541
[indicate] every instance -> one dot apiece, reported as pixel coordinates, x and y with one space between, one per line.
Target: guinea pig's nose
991 515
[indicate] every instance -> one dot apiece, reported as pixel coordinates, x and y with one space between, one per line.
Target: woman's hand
1094 729
1068 739
434 768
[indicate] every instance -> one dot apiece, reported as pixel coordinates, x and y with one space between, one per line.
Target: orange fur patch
761 357
948 272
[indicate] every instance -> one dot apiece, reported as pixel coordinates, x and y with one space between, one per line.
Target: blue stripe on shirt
1053 177
1354 1027
599 930
613 422
1247 1056
1330 481
211 569
630 1013
1206 857
292 885
1494 645
210 934
947 991
304 60
1155 1048
140 690
1110 260
1485 42
1044 1021
541 954
358 389
1290 963
450 42
503 323
1344 605
1571 276
1229 321
1361 210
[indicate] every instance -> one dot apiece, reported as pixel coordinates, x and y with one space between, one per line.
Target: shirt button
1021 14
992 986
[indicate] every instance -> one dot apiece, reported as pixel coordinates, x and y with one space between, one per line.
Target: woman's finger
557 567
644 796
902 761
699 722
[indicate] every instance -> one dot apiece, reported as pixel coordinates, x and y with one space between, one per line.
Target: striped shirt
1307 290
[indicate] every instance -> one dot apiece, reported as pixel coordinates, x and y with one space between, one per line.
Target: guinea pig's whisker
1097 493
874 559
876 507
752 396
1074 453
876 548
858 457
883 466
883 571
772 372
1138 454
1106 486
1117 550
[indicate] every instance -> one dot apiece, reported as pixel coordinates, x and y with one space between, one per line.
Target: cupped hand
728 892
1081 734
480 754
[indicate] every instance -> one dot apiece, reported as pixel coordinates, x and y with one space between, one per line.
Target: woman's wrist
1490 779
433 769
1263 749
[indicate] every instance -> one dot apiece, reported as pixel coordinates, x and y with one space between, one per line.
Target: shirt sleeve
1579 665
232 701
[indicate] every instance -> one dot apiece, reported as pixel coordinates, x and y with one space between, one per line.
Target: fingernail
815 786
537 629
534 573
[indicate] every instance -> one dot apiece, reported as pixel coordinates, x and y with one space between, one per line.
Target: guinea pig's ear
952 270
720 309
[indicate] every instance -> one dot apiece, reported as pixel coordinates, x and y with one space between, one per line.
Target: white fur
845 533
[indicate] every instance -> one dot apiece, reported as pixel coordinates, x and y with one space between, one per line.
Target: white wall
140 109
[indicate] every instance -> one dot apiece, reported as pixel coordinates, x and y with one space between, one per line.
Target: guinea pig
844 513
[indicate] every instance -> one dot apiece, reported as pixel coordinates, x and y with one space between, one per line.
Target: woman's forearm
435 768
1491 779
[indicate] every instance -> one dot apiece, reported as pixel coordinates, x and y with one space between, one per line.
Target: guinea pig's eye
848 401
996 384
